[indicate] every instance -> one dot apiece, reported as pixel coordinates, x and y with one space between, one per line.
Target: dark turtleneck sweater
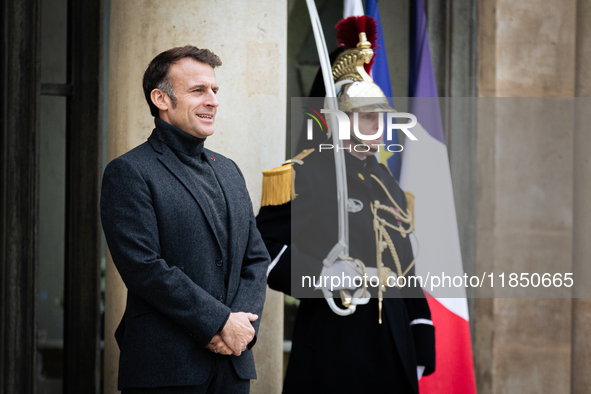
190 151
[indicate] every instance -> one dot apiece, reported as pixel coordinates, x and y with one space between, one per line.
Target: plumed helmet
356 91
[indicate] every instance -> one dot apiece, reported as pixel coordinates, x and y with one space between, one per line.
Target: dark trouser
223 380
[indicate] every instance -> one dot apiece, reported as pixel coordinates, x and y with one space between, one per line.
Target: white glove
420 370
341 275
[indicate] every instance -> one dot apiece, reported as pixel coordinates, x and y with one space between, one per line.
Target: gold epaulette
277 188
410 205
278 183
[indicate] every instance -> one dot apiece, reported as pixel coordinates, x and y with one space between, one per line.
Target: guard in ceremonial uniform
383 345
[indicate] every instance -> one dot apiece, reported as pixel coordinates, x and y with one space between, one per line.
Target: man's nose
212 100
376 128
376 122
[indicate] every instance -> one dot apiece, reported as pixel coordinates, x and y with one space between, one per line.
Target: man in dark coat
357 353
180 227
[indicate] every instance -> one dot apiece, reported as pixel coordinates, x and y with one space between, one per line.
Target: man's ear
158 97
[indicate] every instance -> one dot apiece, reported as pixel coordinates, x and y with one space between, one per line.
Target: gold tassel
278 186
279 183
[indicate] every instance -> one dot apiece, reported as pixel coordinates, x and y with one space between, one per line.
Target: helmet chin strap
354 138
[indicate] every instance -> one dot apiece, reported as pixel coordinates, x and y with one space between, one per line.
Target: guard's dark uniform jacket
350 354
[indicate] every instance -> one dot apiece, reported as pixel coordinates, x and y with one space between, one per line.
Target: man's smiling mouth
205 116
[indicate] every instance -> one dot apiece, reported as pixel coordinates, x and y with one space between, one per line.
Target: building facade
71 101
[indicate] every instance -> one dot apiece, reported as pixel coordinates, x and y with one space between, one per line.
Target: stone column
250 37
269 357
581 335
527 49
483 326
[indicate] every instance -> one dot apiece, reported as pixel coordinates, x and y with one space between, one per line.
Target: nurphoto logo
344 128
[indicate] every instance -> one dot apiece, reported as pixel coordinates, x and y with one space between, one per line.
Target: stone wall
532 49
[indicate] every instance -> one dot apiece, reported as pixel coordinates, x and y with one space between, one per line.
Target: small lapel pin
213 158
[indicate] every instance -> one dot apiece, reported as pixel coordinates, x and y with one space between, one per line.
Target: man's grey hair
166 86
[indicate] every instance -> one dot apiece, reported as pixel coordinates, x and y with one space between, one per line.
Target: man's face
195 89
368 125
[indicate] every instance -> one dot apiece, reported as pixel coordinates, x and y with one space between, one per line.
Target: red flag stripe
454 371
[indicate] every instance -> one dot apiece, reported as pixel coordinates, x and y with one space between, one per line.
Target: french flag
425 173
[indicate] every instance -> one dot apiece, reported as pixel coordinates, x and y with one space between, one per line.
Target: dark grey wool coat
160 234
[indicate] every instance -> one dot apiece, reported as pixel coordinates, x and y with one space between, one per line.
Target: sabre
341 249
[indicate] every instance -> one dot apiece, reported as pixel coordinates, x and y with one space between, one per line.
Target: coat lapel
228 185
174 165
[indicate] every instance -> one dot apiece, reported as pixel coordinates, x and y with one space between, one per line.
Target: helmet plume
348 30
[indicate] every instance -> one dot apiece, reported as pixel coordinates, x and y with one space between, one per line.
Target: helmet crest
349 29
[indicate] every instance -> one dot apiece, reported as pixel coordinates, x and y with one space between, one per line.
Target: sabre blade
341 172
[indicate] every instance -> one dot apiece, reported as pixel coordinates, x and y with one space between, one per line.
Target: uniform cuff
424 340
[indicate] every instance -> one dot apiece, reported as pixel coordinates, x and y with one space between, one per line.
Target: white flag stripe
426 174
459 306
352 8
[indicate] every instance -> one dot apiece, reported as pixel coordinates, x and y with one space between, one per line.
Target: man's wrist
251 343
219 331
